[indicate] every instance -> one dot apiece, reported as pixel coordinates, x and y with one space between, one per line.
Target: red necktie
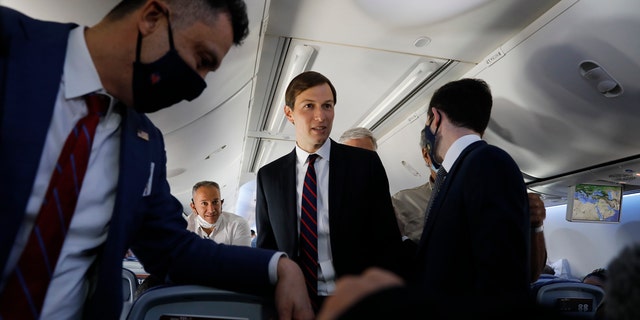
26 288
309 232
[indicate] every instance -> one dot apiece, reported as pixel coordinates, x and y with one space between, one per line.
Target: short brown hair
303 82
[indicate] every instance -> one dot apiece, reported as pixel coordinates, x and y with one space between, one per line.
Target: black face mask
165 82
431 144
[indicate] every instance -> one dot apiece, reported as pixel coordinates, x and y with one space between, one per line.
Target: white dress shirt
89 225
326 272
230 229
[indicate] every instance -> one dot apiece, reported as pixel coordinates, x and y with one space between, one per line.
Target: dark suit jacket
31 61
363 228
478 228
473 257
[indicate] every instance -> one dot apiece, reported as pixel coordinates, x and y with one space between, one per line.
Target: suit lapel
337 173
291 203
135 166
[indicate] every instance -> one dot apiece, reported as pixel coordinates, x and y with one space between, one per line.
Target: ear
425 155
151 14
437 117
288 112
192 205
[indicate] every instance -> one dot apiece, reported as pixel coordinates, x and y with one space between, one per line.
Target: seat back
129 287
199 302
570 298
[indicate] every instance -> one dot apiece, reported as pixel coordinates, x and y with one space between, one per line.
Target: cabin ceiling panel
546 114
469 36
82 12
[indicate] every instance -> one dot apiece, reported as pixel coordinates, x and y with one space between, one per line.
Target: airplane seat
570 298
129 286
199 302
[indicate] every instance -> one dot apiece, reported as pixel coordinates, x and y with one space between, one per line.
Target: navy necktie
309 231
26 288
440 175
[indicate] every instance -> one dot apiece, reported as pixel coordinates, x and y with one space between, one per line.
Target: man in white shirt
210 222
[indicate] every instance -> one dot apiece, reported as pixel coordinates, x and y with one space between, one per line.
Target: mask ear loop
434 119
139 42
433 160
138 45
170 32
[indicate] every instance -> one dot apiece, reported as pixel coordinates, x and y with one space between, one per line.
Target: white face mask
204 224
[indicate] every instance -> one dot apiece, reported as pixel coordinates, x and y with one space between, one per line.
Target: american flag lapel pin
143 135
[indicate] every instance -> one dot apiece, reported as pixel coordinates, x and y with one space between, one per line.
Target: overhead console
567 97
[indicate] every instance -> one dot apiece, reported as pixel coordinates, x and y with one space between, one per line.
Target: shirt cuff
273 266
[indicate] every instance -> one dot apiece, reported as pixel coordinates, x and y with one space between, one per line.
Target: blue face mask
431 145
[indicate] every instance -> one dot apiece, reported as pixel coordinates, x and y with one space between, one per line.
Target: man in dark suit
356 225
124 200
473 256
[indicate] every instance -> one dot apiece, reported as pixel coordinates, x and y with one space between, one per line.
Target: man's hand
291 297
537 210
537 213
351 289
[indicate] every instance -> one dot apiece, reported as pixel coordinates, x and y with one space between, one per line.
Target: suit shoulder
490 151
16 24
352 153
489 160
500 154
277 165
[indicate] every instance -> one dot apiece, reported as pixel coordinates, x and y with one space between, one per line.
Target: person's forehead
208 193
320 93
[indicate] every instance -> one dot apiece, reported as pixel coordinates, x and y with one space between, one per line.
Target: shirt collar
324 152
80 75
456 149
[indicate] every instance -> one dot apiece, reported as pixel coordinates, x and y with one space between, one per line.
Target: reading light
298 62
411 169
411 81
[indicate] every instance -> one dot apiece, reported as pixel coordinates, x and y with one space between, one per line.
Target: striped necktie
26 287
309 232
440 176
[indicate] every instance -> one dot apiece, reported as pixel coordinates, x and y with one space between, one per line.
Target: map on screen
594 203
